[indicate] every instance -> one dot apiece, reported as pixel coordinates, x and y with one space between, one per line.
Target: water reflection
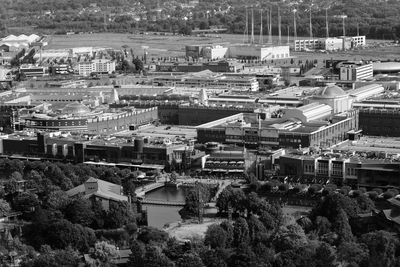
158 216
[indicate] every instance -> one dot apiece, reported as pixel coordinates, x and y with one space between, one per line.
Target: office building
350 71
96 66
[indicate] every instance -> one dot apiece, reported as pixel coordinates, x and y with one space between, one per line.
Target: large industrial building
309 126
219 66
135 152
330 43
239 51
78 117
207 79
212 52
339 169
259 52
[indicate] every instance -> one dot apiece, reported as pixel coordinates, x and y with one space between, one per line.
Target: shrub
372 194
283 187
378 190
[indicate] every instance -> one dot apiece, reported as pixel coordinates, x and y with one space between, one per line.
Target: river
158 216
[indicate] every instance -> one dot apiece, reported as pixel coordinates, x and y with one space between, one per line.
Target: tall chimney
288 35
270 27
294 24
252 25
326 22
279 26
311 34
246 29
261 27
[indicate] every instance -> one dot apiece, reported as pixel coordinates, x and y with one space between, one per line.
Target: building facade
355 71
98 66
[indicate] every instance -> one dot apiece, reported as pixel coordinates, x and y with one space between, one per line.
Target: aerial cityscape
199 133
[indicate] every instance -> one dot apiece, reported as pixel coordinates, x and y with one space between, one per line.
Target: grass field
174 46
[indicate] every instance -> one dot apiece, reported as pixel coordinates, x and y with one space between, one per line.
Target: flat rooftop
371 144
166 131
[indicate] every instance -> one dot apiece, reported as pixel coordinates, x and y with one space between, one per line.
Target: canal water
157 215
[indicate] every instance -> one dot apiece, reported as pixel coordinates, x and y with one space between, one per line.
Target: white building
33 71
99 66
214 52
332 96
304 44
260 52
355 71
310 112
80 51
330 43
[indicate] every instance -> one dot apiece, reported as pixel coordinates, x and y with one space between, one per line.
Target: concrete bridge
162 202
141 191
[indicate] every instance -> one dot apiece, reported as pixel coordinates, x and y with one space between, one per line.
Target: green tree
57 200
155 258
322 224
240 232
325 255
257 230
62 233
104 252
136 258
352 254
332 204
243 257
215 237
119 214
150 235
25 201
342 227
80 211
382 248
289 238
4 208
138 64
214 257
50 258
189 260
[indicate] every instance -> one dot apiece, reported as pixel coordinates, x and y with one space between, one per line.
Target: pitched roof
105 190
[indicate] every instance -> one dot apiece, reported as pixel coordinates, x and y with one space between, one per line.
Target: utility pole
246 30
326 22
294 24
343 24
261 27
270 27
311 33
252 26
279 25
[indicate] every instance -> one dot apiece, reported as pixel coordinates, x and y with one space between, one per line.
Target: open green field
174 45
168 45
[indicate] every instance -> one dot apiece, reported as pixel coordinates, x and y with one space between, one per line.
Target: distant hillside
376 19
